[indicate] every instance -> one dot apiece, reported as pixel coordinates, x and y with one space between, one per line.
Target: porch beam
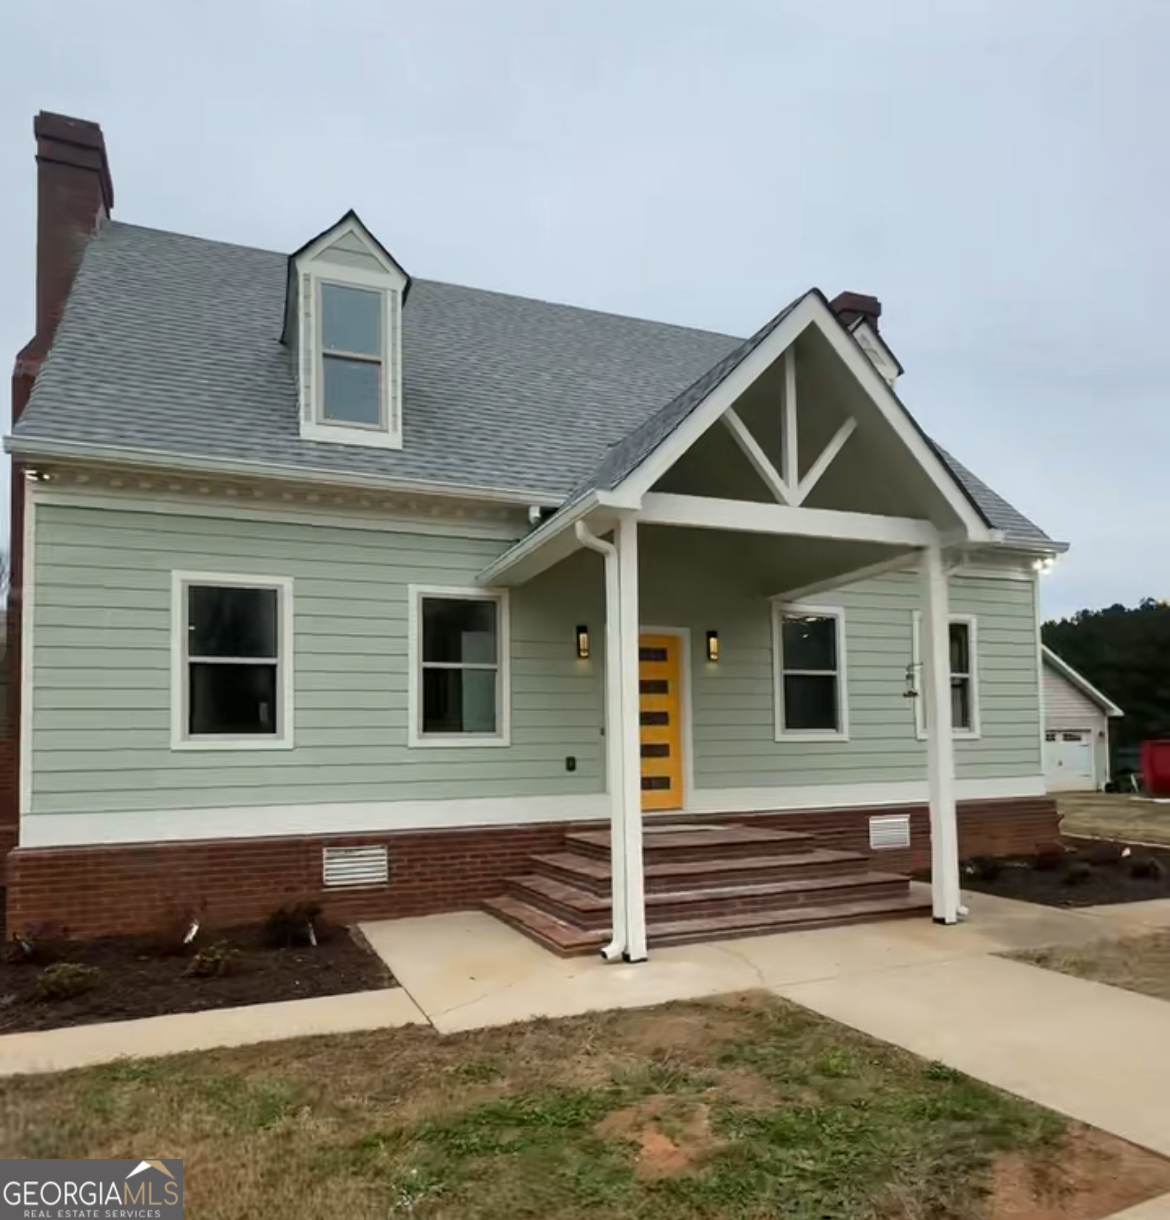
940 746
758 458
626 536
791 448
818 468
746 516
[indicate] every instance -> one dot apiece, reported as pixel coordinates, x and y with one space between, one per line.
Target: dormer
343 321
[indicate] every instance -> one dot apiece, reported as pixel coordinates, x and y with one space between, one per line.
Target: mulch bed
1082 873
137 978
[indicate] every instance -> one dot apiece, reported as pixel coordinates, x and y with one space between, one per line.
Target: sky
994 172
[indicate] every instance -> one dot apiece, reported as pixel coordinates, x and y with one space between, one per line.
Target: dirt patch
128 977
1089 1176
689 1035
673 1136
1082 873
1136 963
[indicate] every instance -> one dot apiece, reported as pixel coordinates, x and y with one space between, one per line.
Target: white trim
1082 683
365 817
183 463
830 451
27 610
747 516
837 613
790 445
760 461
285 739
551 541
1041 700
415 737
976 729
232 507
686 707
626 538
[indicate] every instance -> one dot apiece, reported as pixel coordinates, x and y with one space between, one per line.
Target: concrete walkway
54 1050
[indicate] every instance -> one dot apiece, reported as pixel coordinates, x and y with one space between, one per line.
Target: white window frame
387 434
416 738
781 609
972 623
181 739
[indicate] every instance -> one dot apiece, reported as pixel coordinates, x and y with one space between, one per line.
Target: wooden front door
660 705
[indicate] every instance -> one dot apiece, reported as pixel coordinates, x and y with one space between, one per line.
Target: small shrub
178 935
1078 873
986 868
1147 868
292 925
1050 860
40 944
214 961
1103 853
64 980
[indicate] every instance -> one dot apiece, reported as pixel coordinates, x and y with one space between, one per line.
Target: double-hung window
809 652
459 667
961 646
353 356
231 655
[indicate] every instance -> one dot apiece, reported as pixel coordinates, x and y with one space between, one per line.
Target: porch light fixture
583 642
712 645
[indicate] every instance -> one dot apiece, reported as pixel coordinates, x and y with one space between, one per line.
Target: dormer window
344 316
352 356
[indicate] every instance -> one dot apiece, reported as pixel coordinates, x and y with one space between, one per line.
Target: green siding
102 667
102 670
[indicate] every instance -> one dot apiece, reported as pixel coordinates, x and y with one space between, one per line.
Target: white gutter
163 459
613 740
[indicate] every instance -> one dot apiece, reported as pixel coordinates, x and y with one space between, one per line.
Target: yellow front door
659 704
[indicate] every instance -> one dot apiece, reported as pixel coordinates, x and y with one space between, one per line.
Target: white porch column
626 536
940 746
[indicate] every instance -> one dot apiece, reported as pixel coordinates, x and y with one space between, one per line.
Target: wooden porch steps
705 882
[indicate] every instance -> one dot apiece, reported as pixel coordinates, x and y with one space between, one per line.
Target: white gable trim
1082 683
811 310
347 225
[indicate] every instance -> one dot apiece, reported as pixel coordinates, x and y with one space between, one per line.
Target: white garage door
1068 760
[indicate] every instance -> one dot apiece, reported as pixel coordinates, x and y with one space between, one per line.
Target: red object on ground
1156 767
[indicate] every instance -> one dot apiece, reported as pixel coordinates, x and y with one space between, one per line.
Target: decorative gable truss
788 488
344 321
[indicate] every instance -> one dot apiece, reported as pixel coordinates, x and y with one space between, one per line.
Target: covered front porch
717 523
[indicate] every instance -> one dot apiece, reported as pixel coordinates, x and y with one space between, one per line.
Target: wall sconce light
583 642
712 645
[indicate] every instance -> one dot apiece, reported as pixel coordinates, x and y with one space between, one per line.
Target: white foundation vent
349 866
889 830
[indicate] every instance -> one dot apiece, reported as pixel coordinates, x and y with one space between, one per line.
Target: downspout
613 739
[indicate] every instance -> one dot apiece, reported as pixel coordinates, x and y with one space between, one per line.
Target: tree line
1125 653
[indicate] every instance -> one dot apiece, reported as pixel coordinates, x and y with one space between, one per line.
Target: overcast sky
995 172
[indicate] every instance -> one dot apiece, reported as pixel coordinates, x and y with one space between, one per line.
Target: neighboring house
331 581
1076 729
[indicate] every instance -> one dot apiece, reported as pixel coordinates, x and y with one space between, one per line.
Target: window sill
456 742
956 735
232 743
810 735
341 434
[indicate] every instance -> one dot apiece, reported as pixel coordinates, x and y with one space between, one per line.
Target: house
332 580
1076 728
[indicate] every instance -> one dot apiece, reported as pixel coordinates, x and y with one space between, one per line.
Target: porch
722 486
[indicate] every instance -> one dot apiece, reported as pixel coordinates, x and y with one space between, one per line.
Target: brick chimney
851 306
74 196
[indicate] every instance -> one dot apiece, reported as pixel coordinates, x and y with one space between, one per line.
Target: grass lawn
1114 815
743 1107
1137 963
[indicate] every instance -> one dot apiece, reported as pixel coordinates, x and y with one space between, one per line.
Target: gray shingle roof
172 344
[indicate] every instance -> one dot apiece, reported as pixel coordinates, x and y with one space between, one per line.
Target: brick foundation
96 890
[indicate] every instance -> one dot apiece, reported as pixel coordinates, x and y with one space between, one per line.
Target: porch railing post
626 536
940 747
